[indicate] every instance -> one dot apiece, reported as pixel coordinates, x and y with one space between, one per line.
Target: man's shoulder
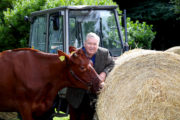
101 49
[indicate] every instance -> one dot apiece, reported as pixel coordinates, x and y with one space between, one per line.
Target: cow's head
80 70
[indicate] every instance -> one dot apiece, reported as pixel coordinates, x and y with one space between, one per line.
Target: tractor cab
61 27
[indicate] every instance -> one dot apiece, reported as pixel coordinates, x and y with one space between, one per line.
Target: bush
140 35
6 38
15 32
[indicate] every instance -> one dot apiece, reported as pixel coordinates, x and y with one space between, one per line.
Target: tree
152 10
176 6
16 30
3 6
161 14
140 35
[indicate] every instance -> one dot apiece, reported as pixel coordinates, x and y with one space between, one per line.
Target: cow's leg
26 115
26 112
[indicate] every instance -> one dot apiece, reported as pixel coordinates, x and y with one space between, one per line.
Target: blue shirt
93 58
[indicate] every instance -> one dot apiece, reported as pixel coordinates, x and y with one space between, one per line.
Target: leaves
14 30
140 35
153 10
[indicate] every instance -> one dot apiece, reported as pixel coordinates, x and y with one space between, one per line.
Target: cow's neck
62 74
56 80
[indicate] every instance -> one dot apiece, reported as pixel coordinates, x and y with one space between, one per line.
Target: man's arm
109 63
108 66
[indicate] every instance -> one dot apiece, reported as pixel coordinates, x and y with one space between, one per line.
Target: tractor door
56 34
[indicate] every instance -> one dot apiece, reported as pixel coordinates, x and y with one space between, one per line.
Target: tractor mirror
55 20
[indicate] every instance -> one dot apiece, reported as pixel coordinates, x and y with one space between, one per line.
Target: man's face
91 46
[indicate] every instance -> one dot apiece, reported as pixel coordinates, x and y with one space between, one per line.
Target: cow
30 79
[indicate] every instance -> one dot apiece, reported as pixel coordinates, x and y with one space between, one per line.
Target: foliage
7 40
140 35
15 31
3 5
176 5
55 3
153 10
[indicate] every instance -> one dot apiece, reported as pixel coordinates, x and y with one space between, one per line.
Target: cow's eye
75 54
83 68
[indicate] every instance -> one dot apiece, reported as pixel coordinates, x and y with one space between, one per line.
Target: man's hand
102 76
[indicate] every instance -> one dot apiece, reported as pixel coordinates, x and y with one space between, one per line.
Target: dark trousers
86 110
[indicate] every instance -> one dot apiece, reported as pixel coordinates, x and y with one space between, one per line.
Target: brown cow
30 79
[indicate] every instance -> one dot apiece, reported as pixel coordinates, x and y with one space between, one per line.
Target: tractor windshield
101 22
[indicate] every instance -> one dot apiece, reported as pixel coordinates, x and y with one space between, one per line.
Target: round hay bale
175 49
144 85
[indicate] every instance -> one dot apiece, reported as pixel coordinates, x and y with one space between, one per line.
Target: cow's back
7 79
29 78
18 77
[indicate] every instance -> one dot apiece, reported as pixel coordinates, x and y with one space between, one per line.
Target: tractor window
38 34
101 22
55 33
75 37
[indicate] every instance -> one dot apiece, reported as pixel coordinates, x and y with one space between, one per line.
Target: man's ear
63 56
72 49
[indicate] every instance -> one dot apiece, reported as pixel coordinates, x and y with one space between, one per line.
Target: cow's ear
72 49
63 56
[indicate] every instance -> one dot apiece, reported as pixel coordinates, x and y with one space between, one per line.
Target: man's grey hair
93 35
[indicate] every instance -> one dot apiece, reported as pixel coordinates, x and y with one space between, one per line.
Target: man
82 103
